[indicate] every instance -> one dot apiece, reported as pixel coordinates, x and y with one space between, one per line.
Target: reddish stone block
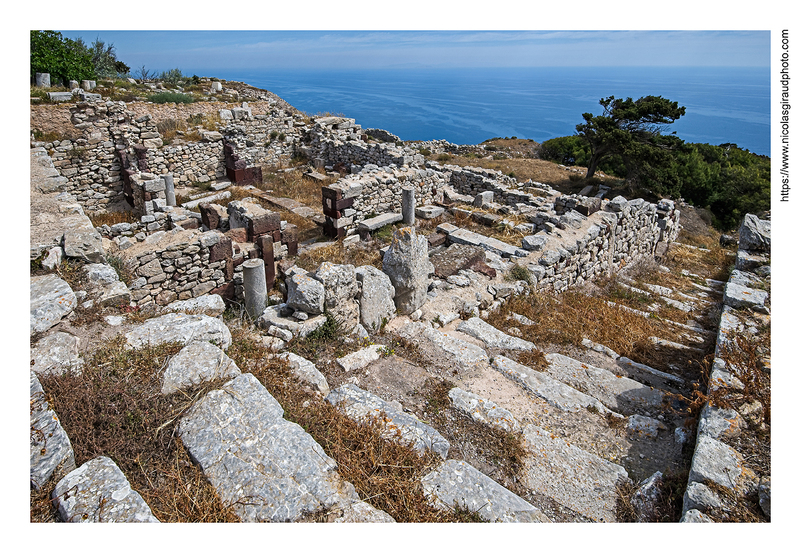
210 216
188 224
263 224
221 250
237 235
289 237
330 230
226 291
331 194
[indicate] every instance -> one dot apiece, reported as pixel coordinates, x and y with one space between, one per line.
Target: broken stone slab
483 410
273 316
360 405
341 288
179 327
700 497
408 267
211 304
463 236
306 371
429 211
464 354
534 243
265 467
98 491
457 484
750 261
618 393
376 297
719 423
694 515
104 283
380 221
718 463
539 384
361 511
305 293
51 451
492 337
455 258
196 363
640 426
755 234
52 299
571 476
361 358
56 353
85 244
645 499
641 368
742 297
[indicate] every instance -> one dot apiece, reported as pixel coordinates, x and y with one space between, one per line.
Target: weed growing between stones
114 407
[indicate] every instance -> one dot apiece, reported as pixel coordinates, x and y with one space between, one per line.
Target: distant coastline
723 105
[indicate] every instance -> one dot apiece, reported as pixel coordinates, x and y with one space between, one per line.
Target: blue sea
468 106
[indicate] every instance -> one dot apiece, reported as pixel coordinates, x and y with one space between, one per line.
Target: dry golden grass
293 185
357 254
114 407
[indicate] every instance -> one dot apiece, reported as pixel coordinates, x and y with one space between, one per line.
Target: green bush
170 97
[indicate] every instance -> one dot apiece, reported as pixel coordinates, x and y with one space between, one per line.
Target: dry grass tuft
362 253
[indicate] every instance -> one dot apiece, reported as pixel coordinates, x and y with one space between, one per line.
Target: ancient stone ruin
435 289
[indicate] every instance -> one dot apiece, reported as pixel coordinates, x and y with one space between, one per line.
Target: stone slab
196 363
618 393
98 491
571 476
492 337
459 484
537 383
179 327
51 451
306 371
267 468
483 410
359 405
51 300
373 224
56 353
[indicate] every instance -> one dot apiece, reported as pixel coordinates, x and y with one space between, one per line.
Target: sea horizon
470 106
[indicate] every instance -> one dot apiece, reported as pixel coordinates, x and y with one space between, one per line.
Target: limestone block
483 410
196 363
268 468
361 358
341 288
305 293
56 353
98 491
459 484
51 451
408 267
306 370
212 305
376 297
51 299
179 327
359 405
755 234
493 338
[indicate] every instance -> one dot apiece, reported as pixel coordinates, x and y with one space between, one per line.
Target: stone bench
368 226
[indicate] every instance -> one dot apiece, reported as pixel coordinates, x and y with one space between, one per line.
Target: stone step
571 476
492 337
267 468
457 235
554 392
457 484
618 393
463 353
361 405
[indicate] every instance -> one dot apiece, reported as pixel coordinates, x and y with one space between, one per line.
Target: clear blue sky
207 52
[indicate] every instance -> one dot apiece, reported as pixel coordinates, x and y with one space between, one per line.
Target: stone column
43 80
255 287
169 190
409 205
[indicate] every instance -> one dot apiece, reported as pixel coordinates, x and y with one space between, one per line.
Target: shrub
170 97
444 157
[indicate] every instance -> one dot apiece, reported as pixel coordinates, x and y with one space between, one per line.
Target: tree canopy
630 129
66 59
